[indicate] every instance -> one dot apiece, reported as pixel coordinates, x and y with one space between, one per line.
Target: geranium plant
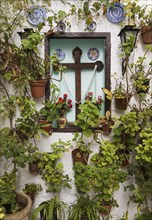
89 115
63 105
98 102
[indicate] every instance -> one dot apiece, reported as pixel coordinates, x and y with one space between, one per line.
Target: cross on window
78 66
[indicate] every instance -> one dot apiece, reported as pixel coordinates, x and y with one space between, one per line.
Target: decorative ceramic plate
92 26
36 15
115 13
61 26
60 53
93 53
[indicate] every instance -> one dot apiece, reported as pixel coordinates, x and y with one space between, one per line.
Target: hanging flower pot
122 103
77 156
37 88
33 168
146 34
106 126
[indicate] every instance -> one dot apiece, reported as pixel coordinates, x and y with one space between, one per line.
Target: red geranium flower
64 105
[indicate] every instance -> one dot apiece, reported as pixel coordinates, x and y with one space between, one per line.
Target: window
89 73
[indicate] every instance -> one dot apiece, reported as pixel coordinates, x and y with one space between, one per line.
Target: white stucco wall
103 25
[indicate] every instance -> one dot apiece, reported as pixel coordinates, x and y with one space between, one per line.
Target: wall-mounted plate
36 15
115 13
92 26
60 53
93 53
61 26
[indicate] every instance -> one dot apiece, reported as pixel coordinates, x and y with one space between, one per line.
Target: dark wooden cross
78 66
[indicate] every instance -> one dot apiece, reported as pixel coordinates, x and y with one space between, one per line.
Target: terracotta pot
78 157
23 214
33 168
121 103
146 34
37 88
62 122
106 127
49 128
105 209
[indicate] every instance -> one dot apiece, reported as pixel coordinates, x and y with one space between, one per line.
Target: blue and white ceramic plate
60 53
115 13
36 15
92 26
61 26
93 53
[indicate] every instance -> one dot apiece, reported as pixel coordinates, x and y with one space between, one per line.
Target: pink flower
99 97
69 101
99 101
70 105
64 96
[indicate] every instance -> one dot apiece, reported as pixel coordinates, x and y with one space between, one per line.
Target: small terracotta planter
37 88
107 126
146 34
48 128
33 168
78 157
122 103
105 210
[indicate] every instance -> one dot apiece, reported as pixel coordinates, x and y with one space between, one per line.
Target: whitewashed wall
103 25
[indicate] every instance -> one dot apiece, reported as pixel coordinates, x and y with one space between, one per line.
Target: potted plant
15 205
140 75
51 169
34 67
33 64
33 163
108 176
53 209
83 175
106 122
31 189
88 118
49 111
63 106
82 150
16 152
84 208
145 22
120 95
140 167
126 130
30 126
